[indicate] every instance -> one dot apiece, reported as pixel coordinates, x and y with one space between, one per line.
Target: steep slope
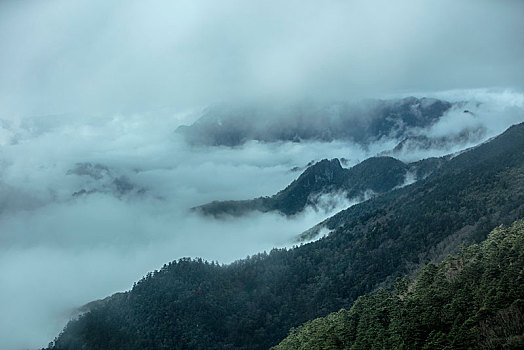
326 175
363 123
504 148
251 304
373 176
472 301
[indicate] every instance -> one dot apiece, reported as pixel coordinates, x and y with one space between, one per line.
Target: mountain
373 176
324 176
443 168
363 123
474 300
252 303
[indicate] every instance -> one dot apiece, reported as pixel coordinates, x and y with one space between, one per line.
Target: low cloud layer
61 247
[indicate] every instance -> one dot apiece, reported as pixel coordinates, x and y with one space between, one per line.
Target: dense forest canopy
474 300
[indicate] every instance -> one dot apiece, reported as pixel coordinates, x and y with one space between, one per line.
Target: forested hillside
252 303
477 162
474 300
373 176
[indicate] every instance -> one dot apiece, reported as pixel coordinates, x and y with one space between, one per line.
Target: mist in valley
96 185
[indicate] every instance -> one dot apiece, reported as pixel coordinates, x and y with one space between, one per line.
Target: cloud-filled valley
117 118
90 204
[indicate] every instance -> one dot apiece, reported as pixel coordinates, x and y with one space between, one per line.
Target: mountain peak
323 170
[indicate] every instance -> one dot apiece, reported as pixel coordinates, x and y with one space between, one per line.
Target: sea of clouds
96 186
61 248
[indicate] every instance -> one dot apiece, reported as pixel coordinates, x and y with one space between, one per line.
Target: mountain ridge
373 176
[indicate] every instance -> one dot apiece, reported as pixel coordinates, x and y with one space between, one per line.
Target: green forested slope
506 150
376 175
474 300
251 304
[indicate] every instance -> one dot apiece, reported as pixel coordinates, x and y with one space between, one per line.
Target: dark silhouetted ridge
373 176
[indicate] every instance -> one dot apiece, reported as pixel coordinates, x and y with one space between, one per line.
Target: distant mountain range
253 303
362 123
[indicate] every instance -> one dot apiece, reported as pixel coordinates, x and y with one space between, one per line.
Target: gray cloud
62 56
108 82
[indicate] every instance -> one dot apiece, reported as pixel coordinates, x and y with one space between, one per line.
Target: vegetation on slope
374 175
472 301
251 304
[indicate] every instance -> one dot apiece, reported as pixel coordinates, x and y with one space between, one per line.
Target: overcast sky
107 82
95 56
